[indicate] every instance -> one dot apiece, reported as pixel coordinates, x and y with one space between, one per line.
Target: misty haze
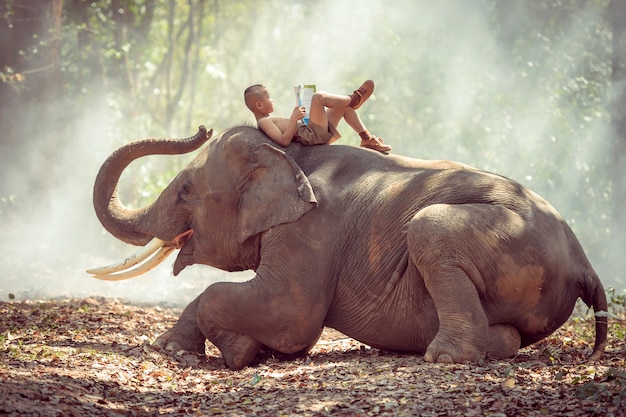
524 91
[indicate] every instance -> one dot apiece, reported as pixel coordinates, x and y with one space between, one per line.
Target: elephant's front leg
238 318
185 334
238 350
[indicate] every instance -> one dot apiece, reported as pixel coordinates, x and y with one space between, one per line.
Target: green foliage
616 301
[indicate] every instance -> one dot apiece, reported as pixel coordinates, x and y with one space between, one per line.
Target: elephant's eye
185 192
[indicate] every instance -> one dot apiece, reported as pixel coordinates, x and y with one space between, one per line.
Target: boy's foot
361 94
376 144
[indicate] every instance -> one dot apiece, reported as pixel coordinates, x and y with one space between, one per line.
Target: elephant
428 257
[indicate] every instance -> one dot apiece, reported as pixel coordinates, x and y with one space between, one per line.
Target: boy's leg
354 121
349 115
322 99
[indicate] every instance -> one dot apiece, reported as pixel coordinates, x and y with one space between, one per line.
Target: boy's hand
298 113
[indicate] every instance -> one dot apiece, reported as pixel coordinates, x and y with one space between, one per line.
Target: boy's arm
271 129
283 138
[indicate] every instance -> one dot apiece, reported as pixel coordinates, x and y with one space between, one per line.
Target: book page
304 95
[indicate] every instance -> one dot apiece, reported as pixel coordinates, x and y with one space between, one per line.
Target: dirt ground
91 357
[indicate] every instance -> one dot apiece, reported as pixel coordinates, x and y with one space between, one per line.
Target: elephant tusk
151 263
143 253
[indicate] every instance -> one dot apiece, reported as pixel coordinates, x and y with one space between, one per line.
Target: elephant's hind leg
448 244
463 324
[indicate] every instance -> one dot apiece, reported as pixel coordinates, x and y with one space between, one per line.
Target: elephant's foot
179 338
442 351
237 350
503 341
185 334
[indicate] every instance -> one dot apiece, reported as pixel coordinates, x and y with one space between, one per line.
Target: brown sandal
362 94
376 144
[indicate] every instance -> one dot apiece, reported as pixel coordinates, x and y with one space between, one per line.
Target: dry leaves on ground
92 357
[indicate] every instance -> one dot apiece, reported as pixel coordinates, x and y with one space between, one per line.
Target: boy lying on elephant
326 112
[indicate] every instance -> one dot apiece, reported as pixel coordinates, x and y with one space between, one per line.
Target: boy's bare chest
281 122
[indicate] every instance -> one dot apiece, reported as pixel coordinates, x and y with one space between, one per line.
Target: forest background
535 91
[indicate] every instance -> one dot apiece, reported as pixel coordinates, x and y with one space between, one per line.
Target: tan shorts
313 134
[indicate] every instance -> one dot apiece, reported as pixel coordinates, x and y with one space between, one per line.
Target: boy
326 111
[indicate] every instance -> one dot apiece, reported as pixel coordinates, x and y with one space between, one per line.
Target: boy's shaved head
252 94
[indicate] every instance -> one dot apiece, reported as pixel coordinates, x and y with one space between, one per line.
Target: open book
304 94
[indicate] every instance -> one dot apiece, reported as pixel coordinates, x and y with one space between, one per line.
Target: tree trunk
30 111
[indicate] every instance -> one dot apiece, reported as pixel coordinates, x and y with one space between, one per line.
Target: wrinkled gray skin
433 257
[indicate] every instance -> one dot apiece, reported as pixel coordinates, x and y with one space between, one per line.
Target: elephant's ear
276 191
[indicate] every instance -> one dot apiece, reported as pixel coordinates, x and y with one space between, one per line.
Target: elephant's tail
594 296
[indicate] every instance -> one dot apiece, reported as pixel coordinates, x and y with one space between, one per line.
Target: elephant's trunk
124 223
